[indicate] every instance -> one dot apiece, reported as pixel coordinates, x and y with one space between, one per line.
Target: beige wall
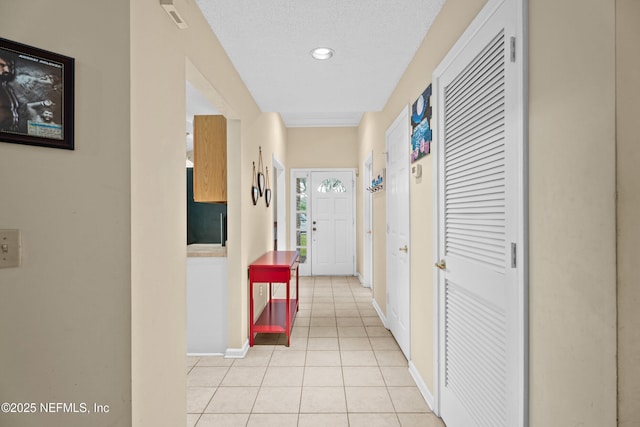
111 295
97 311
453 19
249 227
572 212
572 288
158 311
320 147
371 138
368 131
267 132
628 158
65 313
158 181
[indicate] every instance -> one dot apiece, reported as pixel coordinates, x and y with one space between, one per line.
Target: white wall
207 305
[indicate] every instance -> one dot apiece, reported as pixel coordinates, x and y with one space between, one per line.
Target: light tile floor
343 369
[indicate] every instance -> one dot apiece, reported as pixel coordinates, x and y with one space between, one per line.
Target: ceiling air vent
173 13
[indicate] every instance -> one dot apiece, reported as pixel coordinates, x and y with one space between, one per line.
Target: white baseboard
380 314
362 281
237 353
424 390
205 354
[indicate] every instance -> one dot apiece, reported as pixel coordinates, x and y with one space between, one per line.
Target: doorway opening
279 210
367 227
323 220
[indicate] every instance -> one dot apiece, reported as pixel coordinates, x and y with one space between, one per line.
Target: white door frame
280 202
367 223
522 256
292 227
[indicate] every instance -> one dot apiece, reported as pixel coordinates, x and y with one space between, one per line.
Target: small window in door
301 218
331 186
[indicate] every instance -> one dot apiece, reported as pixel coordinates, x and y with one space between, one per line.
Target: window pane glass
301 202
332 186
301 217
301 185
301 238
301 221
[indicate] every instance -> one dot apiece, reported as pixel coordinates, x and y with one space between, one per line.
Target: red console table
279 314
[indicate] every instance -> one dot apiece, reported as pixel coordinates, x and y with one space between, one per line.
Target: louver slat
475 158
487 163
489 99
475 142
475 215
476 328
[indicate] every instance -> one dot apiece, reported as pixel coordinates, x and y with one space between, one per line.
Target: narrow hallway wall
158 212
318 148
628 189
65 313
451 22
572 259
572 174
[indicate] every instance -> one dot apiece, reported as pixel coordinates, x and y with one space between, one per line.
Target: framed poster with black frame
36 96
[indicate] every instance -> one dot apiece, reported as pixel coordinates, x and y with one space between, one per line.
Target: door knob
404 249
442 265
314 229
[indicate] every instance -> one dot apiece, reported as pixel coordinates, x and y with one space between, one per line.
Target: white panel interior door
398 228
480 211
332 223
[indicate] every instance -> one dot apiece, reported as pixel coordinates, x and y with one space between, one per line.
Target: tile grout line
332 289
304 365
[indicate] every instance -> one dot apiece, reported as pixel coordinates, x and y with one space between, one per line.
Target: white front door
398 228
480 212
332 223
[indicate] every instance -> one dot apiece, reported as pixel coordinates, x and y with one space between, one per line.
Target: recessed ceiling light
322 53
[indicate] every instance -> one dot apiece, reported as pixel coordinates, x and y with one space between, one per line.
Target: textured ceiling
269 43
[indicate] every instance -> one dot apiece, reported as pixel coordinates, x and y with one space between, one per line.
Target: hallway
343 369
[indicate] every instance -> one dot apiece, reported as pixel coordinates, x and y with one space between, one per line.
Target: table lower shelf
274 316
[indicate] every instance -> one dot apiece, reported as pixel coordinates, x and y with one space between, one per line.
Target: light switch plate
416 170
9 248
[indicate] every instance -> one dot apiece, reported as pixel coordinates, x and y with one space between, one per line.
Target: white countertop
206 250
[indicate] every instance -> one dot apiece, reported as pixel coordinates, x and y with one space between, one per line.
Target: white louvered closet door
481 318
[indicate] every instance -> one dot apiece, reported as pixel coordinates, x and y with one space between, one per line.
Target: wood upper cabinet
210 159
